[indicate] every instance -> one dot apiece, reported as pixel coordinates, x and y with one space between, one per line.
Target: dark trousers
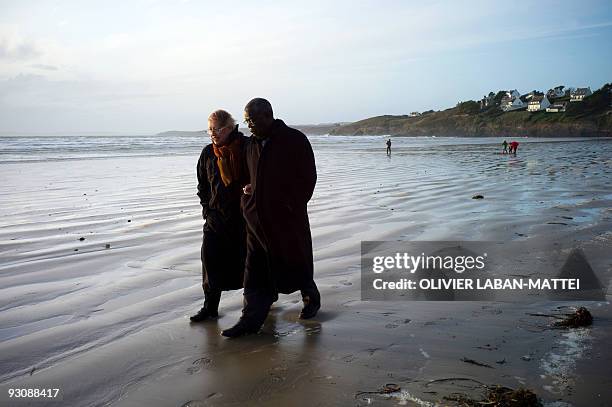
222 262
212 297
259 288
255 307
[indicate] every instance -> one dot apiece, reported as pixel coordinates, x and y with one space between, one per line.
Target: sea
32 148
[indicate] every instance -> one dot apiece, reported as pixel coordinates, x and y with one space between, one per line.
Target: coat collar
235 133
276 128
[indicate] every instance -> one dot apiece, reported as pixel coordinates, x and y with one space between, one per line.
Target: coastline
459 129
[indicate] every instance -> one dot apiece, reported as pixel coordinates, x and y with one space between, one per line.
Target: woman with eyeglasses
221 177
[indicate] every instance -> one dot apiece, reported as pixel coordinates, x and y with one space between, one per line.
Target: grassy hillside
592 117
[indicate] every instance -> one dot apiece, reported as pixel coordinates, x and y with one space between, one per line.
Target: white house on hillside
512 101
513 94
537 103
579 94
517 104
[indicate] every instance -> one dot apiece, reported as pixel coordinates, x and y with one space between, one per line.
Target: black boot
210 310
256 304
242 328
312 301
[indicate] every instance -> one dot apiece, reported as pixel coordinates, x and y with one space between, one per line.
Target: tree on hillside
498 97
468 107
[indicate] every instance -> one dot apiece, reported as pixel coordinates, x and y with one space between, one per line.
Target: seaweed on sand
499 396
580 317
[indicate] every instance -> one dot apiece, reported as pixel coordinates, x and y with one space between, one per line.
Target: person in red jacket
513 146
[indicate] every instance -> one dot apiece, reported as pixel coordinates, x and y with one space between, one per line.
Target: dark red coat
283 176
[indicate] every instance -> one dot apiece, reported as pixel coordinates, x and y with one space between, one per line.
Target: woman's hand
247 189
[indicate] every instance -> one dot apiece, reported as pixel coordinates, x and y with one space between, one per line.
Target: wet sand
109 325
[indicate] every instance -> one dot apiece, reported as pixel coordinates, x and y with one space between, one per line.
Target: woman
220 180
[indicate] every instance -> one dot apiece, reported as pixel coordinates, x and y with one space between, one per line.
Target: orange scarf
229 160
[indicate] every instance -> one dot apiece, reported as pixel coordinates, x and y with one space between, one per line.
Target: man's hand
247 189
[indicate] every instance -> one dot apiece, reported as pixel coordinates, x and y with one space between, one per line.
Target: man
282 173
221 176
389 147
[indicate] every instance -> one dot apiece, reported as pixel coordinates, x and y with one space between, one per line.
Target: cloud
169 63
16 49
45 67
30 90
82 104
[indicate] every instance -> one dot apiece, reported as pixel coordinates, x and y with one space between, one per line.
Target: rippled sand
100 270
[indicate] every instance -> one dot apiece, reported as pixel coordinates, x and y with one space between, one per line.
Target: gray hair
223 118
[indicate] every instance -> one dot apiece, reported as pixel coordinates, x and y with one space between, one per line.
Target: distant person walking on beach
513 147
221 176
505 146
282 172
389 147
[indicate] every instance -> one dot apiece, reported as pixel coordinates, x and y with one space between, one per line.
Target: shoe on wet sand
310 308
240 329
204 314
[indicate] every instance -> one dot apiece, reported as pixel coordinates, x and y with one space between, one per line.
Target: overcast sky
146 66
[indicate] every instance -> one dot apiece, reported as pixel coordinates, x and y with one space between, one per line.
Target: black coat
283 176
224 236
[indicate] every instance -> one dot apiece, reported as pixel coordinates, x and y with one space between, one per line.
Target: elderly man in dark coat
282 173
221 177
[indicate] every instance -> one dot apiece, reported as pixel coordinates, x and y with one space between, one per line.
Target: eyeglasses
212 130
249 121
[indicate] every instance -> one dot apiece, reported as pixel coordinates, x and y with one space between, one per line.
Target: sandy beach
100 270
